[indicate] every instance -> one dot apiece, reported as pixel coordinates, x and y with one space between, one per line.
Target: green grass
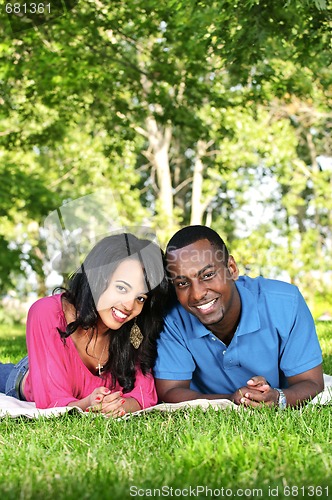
250 453
324 331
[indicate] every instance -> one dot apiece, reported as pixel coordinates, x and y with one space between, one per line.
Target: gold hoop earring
136 336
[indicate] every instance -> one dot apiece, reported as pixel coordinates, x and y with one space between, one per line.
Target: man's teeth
119 313
206 306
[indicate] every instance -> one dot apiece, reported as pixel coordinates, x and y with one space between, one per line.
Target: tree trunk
160 140
197 208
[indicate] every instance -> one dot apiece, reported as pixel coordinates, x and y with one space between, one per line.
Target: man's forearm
179 394
301 392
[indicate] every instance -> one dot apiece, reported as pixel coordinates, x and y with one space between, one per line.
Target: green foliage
249 80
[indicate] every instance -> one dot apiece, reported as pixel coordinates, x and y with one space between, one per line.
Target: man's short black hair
190 234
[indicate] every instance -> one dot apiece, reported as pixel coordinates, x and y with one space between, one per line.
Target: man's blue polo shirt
276 338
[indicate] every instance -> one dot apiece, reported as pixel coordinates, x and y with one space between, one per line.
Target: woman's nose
128 305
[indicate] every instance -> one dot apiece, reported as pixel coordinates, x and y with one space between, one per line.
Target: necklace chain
99 367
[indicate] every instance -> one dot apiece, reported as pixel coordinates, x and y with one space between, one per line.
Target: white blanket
324 397
16 408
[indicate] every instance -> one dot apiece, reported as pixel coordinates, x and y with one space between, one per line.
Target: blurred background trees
192 112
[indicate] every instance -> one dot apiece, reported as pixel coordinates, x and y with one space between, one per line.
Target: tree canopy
191 112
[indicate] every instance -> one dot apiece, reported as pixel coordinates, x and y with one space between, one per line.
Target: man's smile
208 305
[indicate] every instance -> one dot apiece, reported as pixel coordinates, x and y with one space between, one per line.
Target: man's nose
198 290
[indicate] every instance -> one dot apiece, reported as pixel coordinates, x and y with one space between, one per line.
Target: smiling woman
93 345
125 295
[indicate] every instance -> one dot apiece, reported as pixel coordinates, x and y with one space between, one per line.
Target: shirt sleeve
300 350
144 390
174 360
50 369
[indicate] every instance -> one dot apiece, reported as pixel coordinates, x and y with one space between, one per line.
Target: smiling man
249 340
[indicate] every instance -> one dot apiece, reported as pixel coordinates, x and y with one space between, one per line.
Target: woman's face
125 295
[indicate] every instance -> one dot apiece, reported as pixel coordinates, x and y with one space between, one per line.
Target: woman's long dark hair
87 284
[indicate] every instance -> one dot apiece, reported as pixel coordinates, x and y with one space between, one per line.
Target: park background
192 112
189 112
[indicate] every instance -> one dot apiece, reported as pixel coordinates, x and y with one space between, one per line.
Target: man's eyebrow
201 271
179 277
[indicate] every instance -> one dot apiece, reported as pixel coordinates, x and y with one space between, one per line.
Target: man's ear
232 268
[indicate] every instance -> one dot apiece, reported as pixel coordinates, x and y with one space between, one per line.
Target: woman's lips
119 315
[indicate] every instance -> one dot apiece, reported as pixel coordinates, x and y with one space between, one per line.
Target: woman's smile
119 315
125 295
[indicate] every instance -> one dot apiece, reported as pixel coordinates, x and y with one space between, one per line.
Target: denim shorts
15 378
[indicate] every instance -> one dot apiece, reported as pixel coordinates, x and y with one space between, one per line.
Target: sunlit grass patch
90 457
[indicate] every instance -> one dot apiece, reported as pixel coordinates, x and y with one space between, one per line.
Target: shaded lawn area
13 346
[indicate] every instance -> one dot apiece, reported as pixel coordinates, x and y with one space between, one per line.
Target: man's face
204 283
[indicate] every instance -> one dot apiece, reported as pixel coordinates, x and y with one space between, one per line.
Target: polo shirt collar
249 321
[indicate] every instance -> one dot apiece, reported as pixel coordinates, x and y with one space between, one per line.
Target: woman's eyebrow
124 282
130 286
